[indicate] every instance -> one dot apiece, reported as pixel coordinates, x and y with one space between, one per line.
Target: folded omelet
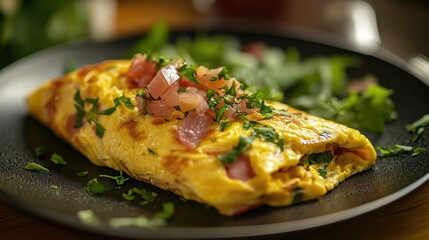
269 153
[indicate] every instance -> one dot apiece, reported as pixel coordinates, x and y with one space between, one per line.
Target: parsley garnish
281 112
90 116
95 188
160 61
55 187
167 211
57 159
243 144
151 151
181 90
322 171
32 166
188 72
224 125
88 217
120 179
141 93
418 127
322 157
398 150
224 74
82 174
39 152
220 113
118 101
148 197
298 194
266 111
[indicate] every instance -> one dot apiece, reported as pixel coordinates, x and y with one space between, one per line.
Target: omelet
198 133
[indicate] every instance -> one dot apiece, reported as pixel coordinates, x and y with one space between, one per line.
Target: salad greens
317 84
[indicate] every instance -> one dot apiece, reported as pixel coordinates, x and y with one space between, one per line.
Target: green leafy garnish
224 125
322 171
95 188
39 152
32 166
418 127
181 90
188 72
148 197
140 221
120 179
82 174
57 159
220 112
151 151
398 150
118 101
243 144
55 187
141 93
167 211
298 194
90 115
88 217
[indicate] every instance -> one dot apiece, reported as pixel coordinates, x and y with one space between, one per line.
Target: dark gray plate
20 135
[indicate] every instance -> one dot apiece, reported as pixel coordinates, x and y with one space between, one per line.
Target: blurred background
400 26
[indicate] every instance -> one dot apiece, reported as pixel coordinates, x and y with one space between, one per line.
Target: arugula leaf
243 144
32 166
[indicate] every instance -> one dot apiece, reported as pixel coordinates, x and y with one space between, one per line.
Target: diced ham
191 99
193 129
240 169
204 77
141 71
158 108
165 77
241 107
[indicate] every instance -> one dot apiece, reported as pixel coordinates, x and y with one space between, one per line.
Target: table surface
406 218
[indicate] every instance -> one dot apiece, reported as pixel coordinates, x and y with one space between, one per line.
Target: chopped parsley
418 127
322 171
120 179
243 144
55 187
398 150
88 217
95 188
148 197
224 74
298 195
57 159
82 174
224 125
182 90
188 72
167 211
118 101
39 152
141 93
32 166
90 115
322 157
151 151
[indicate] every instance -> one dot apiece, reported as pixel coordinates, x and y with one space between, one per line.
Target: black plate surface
20 135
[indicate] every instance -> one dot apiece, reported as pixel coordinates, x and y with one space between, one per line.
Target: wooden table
406 218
